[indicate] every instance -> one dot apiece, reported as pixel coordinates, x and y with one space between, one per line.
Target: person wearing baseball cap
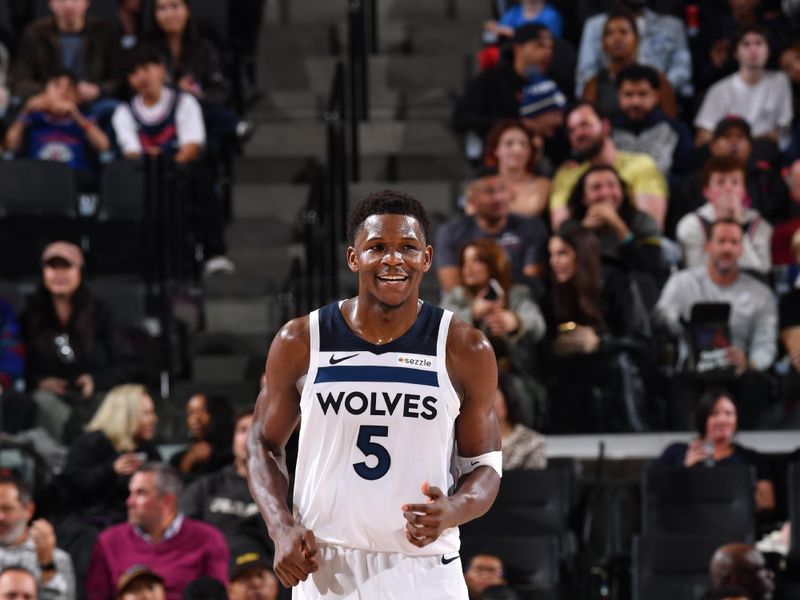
140 582
70 341
250 575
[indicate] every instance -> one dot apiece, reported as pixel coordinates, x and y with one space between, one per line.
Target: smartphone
495 291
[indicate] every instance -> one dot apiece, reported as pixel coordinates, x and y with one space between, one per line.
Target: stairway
406 144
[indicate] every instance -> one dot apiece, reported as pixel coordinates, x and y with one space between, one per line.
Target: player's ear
352 264
428 259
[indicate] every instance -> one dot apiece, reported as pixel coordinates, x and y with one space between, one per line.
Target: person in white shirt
158 119
725 191
763 98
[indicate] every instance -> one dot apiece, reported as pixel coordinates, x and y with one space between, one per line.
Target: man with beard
590 139
662 44
640 125
752 324
523 238
32 547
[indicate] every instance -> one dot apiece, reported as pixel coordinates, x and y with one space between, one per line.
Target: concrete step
259 201
458 11
396 72
243 315
220 368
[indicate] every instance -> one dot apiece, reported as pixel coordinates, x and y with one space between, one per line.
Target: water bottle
709 448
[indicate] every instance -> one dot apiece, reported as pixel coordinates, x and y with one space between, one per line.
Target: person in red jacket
157 536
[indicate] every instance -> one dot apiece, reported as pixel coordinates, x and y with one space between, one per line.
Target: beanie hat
540 95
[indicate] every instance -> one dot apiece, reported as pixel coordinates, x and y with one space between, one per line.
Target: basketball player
399 442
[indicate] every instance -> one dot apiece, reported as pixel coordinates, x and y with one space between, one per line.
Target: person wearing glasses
484 571
69 338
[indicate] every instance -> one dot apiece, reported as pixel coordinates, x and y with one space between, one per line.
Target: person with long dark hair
586 316
209 421
195 64
628 237
70 340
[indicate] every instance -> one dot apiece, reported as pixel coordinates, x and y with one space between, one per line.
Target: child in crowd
725 190
51 126
158 119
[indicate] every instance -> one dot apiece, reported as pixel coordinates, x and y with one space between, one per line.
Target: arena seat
673 566
531 561
530 503
38 203
697 501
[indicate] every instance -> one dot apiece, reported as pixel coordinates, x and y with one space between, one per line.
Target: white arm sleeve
189 121
126 131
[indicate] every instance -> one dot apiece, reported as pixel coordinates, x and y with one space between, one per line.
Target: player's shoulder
466 342
292 342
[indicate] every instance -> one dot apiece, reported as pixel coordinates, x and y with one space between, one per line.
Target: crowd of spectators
679 129
155 80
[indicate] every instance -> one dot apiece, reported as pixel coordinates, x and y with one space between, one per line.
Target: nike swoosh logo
335 361
447 561
474 462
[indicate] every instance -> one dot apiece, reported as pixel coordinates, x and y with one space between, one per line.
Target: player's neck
377 323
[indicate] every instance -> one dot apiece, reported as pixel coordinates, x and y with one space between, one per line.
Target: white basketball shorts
353 574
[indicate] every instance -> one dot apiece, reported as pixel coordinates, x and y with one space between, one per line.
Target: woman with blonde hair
100 462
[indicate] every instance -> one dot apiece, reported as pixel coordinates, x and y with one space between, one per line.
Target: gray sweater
754 312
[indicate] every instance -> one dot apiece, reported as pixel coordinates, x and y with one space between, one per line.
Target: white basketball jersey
377 422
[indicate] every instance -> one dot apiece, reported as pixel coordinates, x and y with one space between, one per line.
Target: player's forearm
475 494
269 487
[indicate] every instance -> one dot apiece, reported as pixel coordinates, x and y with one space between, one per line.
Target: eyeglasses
64 351
481 570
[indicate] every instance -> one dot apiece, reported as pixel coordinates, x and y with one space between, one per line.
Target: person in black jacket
118 440
495 93
223 498
210 425
70 340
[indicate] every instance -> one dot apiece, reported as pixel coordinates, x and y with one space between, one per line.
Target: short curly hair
392 202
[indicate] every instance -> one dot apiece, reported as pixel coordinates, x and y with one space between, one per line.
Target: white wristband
493 460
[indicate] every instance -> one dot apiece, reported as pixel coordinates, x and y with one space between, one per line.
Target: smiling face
721 423
602 187
390 256
513 150
586 131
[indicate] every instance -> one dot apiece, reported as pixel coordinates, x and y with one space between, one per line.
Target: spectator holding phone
118 440
485 297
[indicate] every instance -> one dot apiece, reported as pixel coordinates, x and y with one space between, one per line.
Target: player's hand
295 555
426 522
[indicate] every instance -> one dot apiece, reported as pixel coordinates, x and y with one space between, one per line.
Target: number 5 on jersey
370 448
